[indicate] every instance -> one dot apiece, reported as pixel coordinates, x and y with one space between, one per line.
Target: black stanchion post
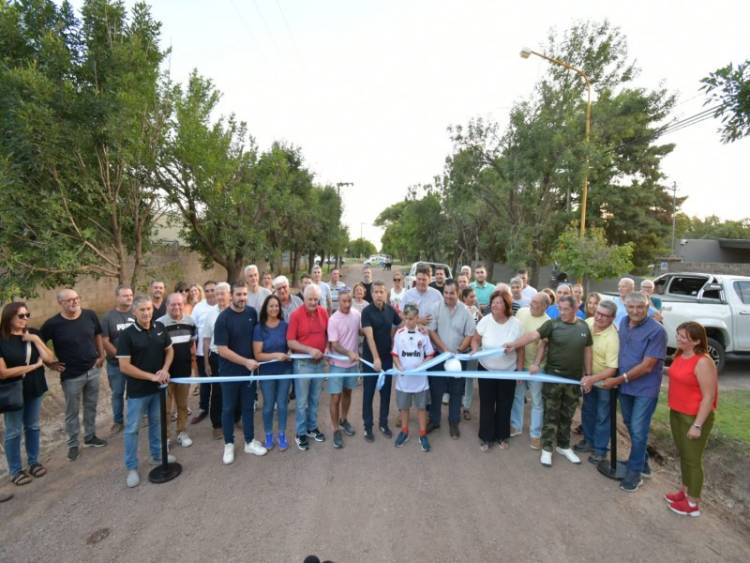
614 469
166 471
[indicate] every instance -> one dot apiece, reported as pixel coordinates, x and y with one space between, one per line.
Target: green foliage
360 247
712 227
507 195
591 257
80 118
415 228
730 87
238 204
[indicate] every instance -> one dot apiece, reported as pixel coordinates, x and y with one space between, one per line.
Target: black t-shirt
440 288
13 352
234 330
381 321
160 311
146 349
368 292
182 333
74 341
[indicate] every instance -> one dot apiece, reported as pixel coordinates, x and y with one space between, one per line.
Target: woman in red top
693 392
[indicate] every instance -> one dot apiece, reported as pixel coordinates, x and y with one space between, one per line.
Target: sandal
37 470
21 478
504 445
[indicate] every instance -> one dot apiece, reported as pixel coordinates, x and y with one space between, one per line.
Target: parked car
721 303
411 277
377 260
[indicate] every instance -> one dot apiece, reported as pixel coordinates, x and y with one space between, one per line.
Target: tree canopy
729 86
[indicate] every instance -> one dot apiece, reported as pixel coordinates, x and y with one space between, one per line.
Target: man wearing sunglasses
77 339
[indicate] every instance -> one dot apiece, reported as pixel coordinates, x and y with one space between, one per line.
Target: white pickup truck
721 303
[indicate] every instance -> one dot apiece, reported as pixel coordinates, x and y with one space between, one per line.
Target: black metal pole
614 469
166 471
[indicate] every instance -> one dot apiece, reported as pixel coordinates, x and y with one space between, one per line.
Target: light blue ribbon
421 370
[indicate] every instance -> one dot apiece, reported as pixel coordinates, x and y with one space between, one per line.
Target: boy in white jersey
411 348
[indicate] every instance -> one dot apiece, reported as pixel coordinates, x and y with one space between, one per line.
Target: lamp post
526 53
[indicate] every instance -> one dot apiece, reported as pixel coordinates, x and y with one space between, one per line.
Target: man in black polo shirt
379 322
367 282
145 353
182 332
77 338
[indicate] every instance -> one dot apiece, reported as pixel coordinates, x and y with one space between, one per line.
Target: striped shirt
182 333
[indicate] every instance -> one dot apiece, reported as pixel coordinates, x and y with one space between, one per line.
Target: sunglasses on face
24 315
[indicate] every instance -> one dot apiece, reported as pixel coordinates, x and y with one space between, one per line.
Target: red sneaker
675 497
684 508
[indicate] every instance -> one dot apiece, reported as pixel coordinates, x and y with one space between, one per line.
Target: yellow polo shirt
606 347
530 323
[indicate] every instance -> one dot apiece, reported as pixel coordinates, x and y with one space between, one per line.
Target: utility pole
674 216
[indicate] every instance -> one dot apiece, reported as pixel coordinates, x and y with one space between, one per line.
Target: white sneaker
157 461
255 448
569 455
133 478
228 454
184 440
546 459
515 432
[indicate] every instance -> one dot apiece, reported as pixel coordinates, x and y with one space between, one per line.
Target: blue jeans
24 420
637 413
117 384
537 407
275 392
595 419
307 396
244 392
137 407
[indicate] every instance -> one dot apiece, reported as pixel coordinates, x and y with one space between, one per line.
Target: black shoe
596 459
646 473
338 440
455 432
346 427
631 485
316 435
583 447
431 426
301 442
95 442
386 432
369 436
73 453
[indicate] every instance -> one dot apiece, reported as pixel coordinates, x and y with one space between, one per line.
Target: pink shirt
344 329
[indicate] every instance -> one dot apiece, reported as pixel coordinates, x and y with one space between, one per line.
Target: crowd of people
355 332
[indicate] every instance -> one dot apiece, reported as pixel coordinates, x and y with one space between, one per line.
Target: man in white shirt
528 292
256 293
427 299
200 313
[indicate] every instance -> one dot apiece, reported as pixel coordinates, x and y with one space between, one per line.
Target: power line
691 120
249 30
295 47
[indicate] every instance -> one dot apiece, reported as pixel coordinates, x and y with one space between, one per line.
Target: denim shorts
336 384
418 400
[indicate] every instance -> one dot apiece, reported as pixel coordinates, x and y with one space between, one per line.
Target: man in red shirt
307 334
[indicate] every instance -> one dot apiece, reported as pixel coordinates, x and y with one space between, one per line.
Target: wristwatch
698 426
625 376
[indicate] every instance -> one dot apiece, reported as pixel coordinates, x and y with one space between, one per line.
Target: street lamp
526 53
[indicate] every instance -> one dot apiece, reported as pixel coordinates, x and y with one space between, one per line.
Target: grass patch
732 418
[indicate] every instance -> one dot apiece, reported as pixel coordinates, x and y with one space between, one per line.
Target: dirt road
366 502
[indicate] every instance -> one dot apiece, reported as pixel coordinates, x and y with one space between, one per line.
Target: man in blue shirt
233 337
643 347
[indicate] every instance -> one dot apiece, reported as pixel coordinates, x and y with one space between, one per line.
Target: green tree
360 247
591 257
712 227
509 194
729 86
80 120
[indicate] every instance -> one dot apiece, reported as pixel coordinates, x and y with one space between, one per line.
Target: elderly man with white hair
563 290
289 301
307 334
256 293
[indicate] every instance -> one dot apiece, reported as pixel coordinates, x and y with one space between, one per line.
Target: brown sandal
21 478
37 470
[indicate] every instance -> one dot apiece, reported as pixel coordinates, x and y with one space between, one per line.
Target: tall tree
729 86
80 120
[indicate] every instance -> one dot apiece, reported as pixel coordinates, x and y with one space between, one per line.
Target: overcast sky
367 88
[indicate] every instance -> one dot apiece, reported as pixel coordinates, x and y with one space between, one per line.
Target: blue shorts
336 384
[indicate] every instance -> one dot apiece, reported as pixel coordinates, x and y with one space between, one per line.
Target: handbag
11 394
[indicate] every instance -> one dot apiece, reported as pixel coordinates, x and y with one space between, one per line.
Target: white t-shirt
495 335
199 314
395 298
208 328
528 292
428 302
412 349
